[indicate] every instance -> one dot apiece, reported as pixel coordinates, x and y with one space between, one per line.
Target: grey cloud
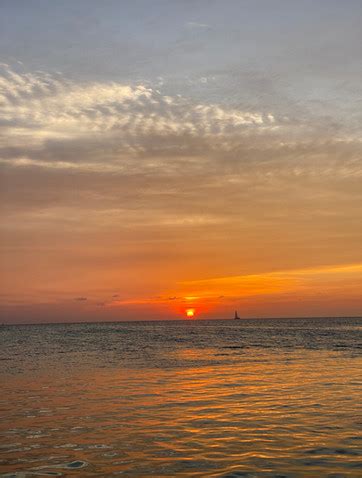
197 25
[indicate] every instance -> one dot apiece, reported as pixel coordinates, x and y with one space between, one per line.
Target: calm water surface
256 398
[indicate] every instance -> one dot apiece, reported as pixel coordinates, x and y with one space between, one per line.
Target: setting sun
190 313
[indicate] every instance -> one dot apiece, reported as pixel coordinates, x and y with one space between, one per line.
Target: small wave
331 451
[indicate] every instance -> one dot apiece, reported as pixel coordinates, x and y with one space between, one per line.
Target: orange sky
172 163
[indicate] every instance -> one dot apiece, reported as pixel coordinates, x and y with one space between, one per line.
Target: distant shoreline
177 320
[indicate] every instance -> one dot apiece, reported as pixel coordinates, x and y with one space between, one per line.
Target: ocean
192 398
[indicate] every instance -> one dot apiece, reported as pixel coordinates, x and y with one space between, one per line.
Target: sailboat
236 317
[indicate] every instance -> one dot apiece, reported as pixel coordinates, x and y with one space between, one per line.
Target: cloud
80 299
197 25
305 282
58 119
52 122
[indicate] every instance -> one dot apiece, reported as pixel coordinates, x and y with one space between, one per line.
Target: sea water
236 398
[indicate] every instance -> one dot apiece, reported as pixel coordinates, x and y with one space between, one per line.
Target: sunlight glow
190 313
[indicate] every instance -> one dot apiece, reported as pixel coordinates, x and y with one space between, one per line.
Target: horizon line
182 320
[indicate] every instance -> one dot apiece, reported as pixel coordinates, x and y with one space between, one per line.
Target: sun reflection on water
227 409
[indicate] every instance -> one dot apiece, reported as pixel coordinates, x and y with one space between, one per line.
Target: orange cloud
341 280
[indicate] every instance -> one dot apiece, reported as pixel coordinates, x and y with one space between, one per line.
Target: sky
170 155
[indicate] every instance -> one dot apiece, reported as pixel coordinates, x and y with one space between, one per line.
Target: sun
190 313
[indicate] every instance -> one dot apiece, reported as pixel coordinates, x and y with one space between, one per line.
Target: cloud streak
305 282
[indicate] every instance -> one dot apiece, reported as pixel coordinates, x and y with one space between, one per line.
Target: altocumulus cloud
48 112
54 122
